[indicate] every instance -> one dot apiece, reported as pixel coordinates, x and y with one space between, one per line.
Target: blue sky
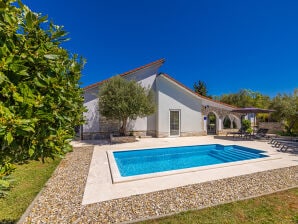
230 45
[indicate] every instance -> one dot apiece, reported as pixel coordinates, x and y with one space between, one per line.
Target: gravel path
60 201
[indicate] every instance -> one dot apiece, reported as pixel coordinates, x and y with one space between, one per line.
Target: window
174 122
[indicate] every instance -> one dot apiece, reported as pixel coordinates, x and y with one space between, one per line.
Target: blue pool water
136 162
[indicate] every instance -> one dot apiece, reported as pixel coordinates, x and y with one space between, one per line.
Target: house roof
158 62
193 92
253 110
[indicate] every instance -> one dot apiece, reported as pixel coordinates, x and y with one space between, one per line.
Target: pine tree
200 88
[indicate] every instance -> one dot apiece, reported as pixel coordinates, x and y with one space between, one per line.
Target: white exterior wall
147 79
169 95
173 97
92 114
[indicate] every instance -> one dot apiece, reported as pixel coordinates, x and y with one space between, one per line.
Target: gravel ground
60 201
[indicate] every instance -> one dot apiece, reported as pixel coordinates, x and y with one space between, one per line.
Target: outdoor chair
289 145
279 143
261 133
274 140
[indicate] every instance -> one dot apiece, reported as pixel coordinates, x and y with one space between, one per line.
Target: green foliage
211 118
246 98
249 130
286 106
5 180
40 97
226 123
121 99
246 124
5 185
200 87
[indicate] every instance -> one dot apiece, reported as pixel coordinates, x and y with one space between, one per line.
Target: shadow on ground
8 221
90 143
231 138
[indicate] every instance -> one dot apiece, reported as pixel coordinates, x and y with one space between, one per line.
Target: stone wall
95 135
273 127
106 127
188 134
220 114
149 133
182 134
122 139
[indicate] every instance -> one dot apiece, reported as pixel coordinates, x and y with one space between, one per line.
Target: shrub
40 97
246 124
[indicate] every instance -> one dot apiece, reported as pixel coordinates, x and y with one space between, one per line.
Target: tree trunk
292 124
122 130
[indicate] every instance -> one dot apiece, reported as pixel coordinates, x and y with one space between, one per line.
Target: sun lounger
261 133
274 140
278 143
286 146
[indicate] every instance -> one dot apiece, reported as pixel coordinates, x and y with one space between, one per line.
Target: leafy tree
246 98
286 106
121 99
200 87
40 97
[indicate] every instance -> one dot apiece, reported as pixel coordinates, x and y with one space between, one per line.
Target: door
174 122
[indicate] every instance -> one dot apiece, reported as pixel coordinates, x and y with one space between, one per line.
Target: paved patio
81 189
99 177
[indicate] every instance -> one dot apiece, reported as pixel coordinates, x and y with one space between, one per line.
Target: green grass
28 181
279 208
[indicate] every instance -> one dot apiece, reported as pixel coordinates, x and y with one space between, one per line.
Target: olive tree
286 109
40 97
122 100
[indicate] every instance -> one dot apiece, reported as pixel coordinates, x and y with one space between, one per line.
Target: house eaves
154 63
204 98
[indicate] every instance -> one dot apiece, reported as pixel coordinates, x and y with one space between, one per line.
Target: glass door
174 123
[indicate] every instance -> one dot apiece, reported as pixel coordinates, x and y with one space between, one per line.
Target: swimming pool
149 161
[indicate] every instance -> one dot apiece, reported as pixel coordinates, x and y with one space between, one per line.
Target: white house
180 111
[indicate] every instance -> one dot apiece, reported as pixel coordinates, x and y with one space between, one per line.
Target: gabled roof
193 92
158 62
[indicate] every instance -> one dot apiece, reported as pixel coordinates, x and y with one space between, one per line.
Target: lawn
281 207
28 181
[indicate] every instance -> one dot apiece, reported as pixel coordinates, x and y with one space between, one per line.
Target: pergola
252 110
